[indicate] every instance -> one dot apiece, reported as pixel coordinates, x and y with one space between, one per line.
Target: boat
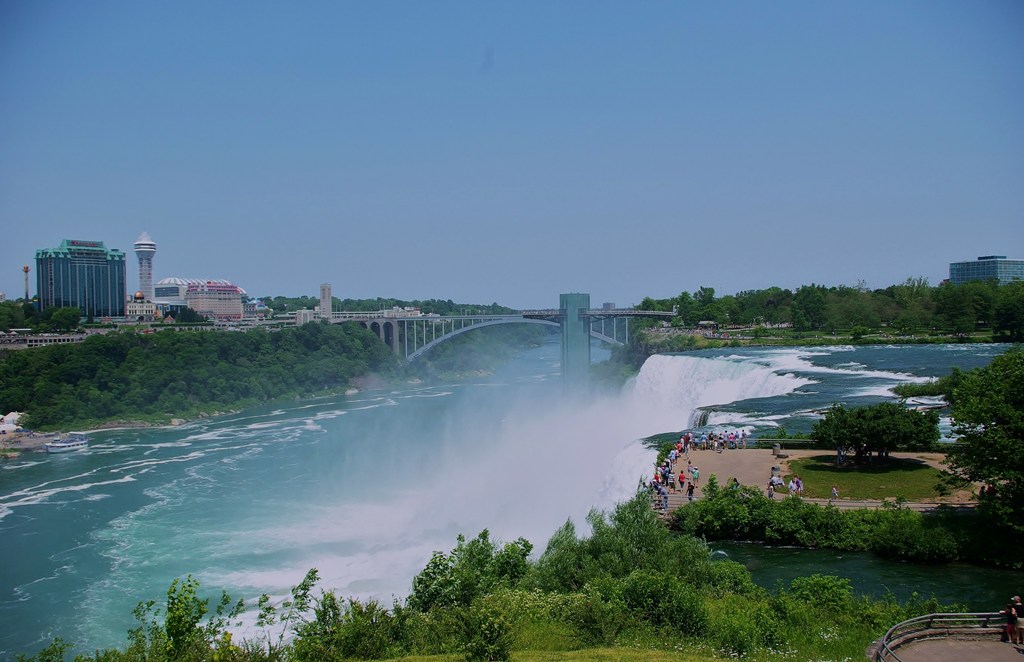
73 442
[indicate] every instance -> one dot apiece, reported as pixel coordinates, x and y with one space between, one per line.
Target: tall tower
25 269
145 249
325 301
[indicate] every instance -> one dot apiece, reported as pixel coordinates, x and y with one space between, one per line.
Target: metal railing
933 626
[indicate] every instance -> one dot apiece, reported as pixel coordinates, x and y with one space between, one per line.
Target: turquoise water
365 487
976 589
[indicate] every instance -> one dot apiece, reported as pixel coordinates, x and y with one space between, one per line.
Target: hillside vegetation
154 377
629 590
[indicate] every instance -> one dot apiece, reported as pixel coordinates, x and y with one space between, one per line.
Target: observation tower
145 249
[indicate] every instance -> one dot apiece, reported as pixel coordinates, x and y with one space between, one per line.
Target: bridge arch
386 330
520 320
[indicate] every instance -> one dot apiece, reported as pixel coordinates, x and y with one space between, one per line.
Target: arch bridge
411 336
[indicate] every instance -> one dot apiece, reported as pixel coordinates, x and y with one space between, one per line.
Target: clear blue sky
510 151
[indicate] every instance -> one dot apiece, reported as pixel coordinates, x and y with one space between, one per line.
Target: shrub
732 577
738 625
826 592
597 619
904 534
485 635
662 599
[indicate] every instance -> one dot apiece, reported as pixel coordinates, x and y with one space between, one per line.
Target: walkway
958 650
753 466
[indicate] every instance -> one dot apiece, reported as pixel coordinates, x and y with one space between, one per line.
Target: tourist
799 486
771 490
743 437
791 486
835 493
1010 627
1018 627
689 491
694 475
662 496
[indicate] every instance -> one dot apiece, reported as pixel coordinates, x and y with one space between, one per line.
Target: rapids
364 487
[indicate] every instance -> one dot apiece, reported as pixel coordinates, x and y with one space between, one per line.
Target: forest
908 308
280 304
153 377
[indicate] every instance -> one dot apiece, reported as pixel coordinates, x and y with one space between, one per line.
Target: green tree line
281 304
133 376
908 308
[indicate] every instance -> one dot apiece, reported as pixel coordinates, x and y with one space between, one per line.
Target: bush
733 577
486 635
905 535
738 625
597 619
662 599
825 592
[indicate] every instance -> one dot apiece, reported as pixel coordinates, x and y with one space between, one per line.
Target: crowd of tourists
671 476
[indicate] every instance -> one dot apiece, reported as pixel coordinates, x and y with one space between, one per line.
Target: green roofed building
82 274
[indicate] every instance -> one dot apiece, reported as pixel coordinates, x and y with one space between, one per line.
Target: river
364 487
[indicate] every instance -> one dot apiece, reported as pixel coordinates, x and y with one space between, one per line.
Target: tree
809 307
473 568
189 316
1008 315
65 319
879 428
988 417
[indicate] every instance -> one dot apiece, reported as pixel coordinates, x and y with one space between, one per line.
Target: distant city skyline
509 153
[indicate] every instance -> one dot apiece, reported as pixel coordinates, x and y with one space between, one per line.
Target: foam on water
365 488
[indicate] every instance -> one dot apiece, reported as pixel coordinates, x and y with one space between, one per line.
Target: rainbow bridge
411 336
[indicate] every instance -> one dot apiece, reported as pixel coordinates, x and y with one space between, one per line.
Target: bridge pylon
573 309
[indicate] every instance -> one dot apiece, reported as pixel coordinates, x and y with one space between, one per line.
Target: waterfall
676 391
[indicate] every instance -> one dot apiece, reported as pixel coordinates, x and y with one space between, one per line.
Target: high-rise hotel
82 274
987 267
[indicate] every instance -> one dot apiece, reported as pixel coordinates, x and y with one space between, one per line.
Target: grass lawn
894 477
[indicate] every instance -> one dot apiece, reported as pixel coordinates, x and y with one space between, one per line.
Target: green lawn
886 479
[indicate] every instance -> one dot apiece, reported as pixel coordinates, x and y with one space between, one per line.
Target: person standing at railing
1018 626
1010 623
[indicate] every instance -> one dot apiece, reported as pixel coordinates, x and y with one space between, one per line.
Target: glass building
987 267
82 274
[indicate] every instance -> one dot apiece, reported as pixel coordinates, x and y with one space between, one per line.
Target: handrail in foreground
936 625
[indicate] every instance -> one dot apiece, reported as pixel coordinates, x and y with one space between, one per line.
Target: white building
137 308
145 249
215 298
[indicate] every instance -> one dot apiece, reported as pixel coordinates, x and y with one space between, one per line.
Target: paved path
960 650
753 466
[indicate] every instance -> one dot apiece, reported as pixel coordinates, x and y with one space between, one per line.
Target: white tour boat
73 442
